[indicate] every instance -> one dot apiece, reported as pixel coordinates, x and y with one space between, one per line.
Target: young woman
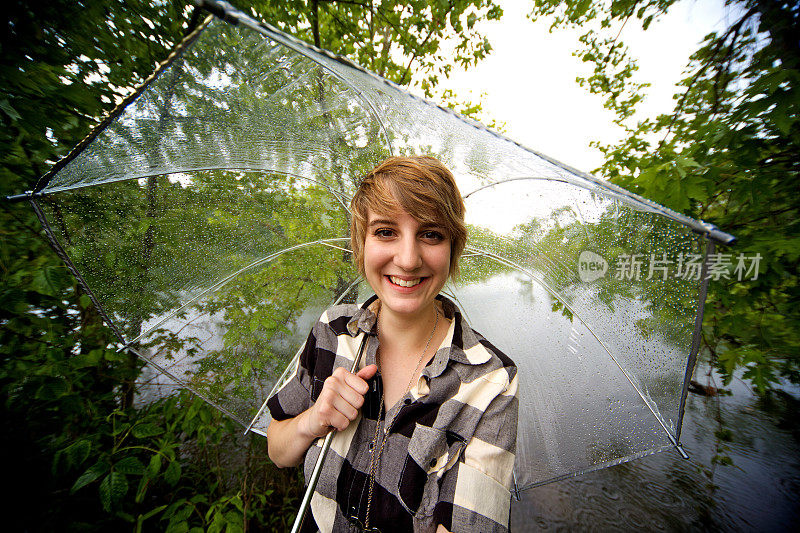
426 428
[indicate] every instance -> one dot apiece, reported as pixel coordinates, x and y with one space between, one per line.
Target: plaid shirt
450 454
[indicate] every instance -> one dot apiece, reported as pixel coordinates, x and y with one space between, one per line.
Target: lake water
664 492
760 491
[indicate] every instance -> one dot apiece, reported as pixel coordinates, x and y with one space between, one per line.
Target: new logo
591 266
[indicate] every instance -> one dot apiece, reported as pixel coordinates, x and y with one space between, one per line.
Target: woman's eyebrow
382 222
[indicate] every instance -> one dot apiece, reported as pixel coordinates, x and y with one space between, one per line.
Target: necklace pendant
356 526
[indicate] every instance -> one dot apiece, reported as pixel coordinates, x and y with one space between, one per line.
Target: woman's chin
405 305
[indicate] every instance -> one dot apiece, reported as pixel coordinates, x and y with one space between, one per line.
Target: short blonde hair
421 186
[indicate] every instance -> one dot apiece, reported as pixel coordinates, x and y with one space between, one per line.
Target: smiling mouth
405 283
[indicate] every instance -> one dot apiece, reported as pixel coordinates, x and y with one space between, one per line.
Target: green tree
401 41
728 154
78 450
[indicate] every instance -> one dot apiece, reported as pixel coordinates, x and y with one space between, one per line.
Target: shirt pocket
431 452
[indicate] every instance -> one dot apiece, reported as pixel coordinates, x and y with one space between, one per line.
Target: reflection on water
664 492
579 408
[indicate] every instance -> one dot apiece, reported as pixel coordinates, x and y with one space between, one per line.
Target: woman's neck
407 333
406 345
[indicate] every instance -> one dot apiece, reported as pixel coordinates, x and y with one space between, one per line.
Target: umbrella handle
312 483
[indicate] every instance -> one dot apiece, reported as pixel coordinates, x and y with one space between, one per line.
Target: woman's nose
408 256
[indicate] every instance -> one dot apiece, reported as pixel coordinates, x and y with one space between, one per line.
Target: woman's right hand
339 401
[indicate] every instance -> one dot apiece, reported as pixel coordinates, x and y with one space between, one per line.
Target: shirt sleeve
294 396
475 493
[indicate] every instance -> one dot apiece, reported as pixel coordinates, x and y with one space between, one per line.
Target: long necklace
375 456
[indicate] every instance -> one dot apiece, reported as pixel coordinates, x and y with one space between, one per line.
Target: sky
529 78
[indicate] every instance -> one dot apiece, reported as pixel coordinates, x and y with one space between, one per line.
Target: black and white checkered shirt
449 457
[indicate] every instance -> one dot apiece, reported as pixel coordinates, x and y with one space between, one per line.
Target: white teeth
404 283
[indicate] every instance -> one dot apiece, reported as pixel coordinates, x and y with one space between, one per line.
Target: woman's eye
433 236
384 232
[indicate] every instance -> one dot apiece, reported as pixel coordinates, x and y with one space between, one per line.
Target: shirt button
433 463
407 401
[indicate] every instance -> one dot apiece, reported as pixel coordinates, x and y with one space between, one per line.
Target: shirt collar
365 317
460 344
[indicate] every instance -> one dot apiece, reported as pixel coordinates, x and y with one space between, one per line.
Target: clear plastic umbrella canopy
207 217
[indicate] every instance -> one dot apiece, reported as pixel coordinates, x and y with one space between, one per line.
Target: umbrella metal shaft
312 483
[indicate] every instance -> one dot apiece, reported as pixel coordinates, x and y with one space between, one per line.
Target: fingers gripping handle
326 444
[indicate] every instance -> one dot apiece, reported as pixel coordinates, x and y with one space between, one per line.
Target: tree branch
733 30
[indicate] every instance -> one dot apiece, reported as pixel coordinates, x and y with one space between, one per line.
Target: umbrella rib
336 248
696 336
599 466
291 364
226 279
182 383
603 344
521 178
633 201
243 168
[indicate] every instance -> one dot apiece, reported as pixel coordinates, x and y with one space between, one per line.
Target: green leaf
120 428
77 452
151 513
10 111
178 527
729 361
112 489
87 360
761 376
194 408
91 474
130 465
173 472
217 523
51 389
143 431
155 466
183 512
141 490
50 280
85 301
234 524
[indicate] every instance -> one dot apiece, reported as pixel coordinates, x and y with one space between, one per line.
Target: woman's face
405 263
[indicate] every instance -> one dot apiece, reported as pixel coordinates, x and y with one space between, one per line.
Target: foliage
727 154
401 41
81 451
181 454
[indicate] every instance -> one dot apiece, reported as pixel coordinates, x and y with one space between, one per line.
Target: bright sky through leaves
529 78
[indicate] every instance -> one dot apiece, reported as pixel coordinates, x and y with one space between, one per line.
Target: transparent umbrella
207 219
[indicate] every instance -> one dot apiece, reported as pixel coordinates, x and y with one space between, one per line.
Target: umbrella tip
681 451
